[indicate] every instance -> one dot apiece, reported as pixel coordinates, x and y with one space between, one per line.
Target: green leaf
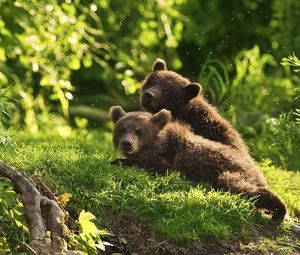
87 226
74 63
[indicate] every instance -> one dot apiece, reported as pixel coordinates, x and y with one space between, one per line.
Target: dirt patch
132 236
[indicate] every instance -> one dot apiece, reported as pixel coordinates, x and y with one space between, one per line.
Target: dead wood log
41 213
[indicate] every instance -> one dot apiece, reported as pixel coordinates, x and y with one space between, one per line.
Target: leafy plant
250 92
285 133
6 142
6 105
47 43
245 99
13 228
89 237
293 61
44 55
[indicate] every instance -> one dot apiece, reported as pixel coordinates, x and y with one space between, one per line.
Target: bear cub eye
123 130
139 132
166 92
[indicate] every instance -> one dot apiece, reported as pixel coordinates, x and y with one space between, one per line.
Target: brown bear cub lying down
164 89
155 142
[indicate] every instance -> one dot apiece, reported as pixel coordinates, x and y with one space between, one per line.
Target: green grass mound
79 164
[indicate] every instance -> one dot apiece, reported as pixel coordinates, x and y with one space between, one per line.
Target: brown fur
161 144
173 92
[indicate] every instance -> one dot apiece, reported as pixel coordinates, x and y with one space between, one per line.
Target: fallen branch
295 226
41 214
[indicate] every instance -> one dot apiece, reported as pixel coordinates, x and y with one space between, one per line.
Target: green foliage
45 43
284 24
37 59
293 61
13 230
285 133
6 142
5 106
278 139
251 91
89 237
246 99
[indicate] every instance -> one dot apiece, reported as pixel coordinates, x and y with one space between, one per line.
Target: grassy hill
167 210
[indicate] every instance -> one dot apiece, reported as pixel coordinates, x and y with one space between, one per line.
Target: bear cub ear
162 118
159 65
116 112
192 90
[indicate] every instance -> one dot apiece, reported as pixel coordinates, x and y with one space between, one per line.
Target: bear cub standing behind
164 89
154 142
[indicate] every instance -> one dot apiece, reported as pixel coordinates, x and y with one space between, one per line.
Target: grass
79 164
284 183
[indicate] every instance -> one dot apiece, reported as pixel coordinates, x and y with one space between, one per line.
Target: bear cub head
164 89
136 132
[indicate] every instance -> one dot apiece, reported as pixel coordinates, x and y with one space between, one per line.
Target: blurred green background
64 63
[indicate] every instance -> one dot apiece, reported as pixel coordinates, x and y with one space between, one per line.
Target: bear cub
157 143
164 89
